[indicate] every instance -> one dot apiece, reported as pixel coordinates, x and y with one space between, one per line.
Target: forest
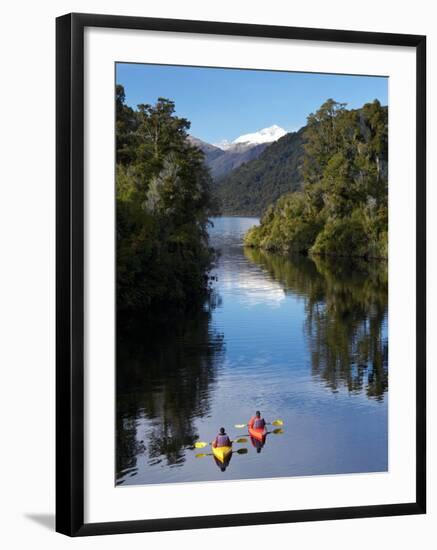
252 187
336 167
163 202
342 207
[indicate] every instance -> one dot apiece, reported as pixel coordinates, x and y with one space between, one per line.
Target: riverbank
293 226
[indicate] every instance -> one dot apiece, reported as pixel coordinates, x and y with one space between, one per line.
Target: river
302 340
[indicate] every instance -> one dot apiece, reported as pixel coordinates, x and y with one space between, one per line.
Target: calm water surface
301 340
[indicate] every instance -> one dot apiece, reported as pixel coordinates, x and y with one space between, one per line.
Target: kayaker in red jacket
257 422
222 439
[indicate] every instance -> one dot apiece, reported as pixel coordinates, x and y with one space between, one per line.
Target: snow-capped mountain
224 145
266 135
225 156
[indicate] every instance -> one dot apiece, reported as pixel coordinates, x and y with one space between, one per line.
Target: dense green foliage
250 188
342 207
163 204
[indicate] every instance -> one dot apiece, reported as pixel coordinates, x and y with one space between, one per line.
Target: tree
163 204
342 208
323 139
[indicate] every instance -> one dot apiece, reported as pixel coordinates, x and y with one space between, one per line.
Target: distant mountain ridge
226 157
222 162
252 186
211 152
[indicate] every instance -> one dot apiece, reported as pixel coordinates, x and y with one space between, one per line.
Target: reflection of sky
240 283
259 321
250 292
267 356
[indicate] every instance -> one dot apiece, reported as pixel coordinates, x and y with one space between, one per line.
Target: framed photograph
240 274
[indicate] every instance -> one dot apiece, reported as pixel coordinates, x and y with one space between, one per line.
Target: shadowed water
302 340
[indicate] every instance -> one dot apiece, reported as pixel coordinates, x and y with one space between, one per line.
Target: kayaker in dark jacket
222 439
257 422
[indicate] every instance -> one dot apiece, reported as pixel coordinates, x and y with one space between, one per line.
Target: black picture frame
70 273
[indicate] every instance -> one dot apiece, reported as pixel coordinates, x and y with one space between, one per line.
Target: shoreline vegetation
164 201
163 205
341 209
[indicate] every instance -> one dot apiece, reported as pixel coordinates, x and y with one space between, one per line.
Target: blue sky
226 103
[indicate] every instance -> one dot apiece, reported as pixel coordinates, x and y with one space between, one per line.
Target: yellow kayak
221 453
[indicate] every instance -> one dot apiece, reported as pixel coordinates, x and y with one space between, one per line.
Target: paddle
202 444
277 422
239 452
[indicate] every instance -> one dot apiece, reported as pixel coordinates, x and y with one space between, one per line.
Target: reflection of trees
164 374
346 308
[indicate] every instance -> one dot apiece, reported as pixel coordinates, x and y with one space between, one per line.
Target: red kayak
259 433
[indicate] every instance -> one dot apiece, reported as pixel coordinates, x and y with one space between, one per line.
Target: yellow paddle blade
200 444
278 431
241 451
200 455
240 425
278 422
241 440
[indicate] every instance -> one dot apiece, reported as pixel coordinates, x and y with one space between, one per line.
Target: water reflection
258 444
162 389
301 339
346 316
222 466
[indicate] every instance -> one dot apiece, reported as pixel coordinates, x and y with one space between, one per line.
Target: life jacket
258 423
223 441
